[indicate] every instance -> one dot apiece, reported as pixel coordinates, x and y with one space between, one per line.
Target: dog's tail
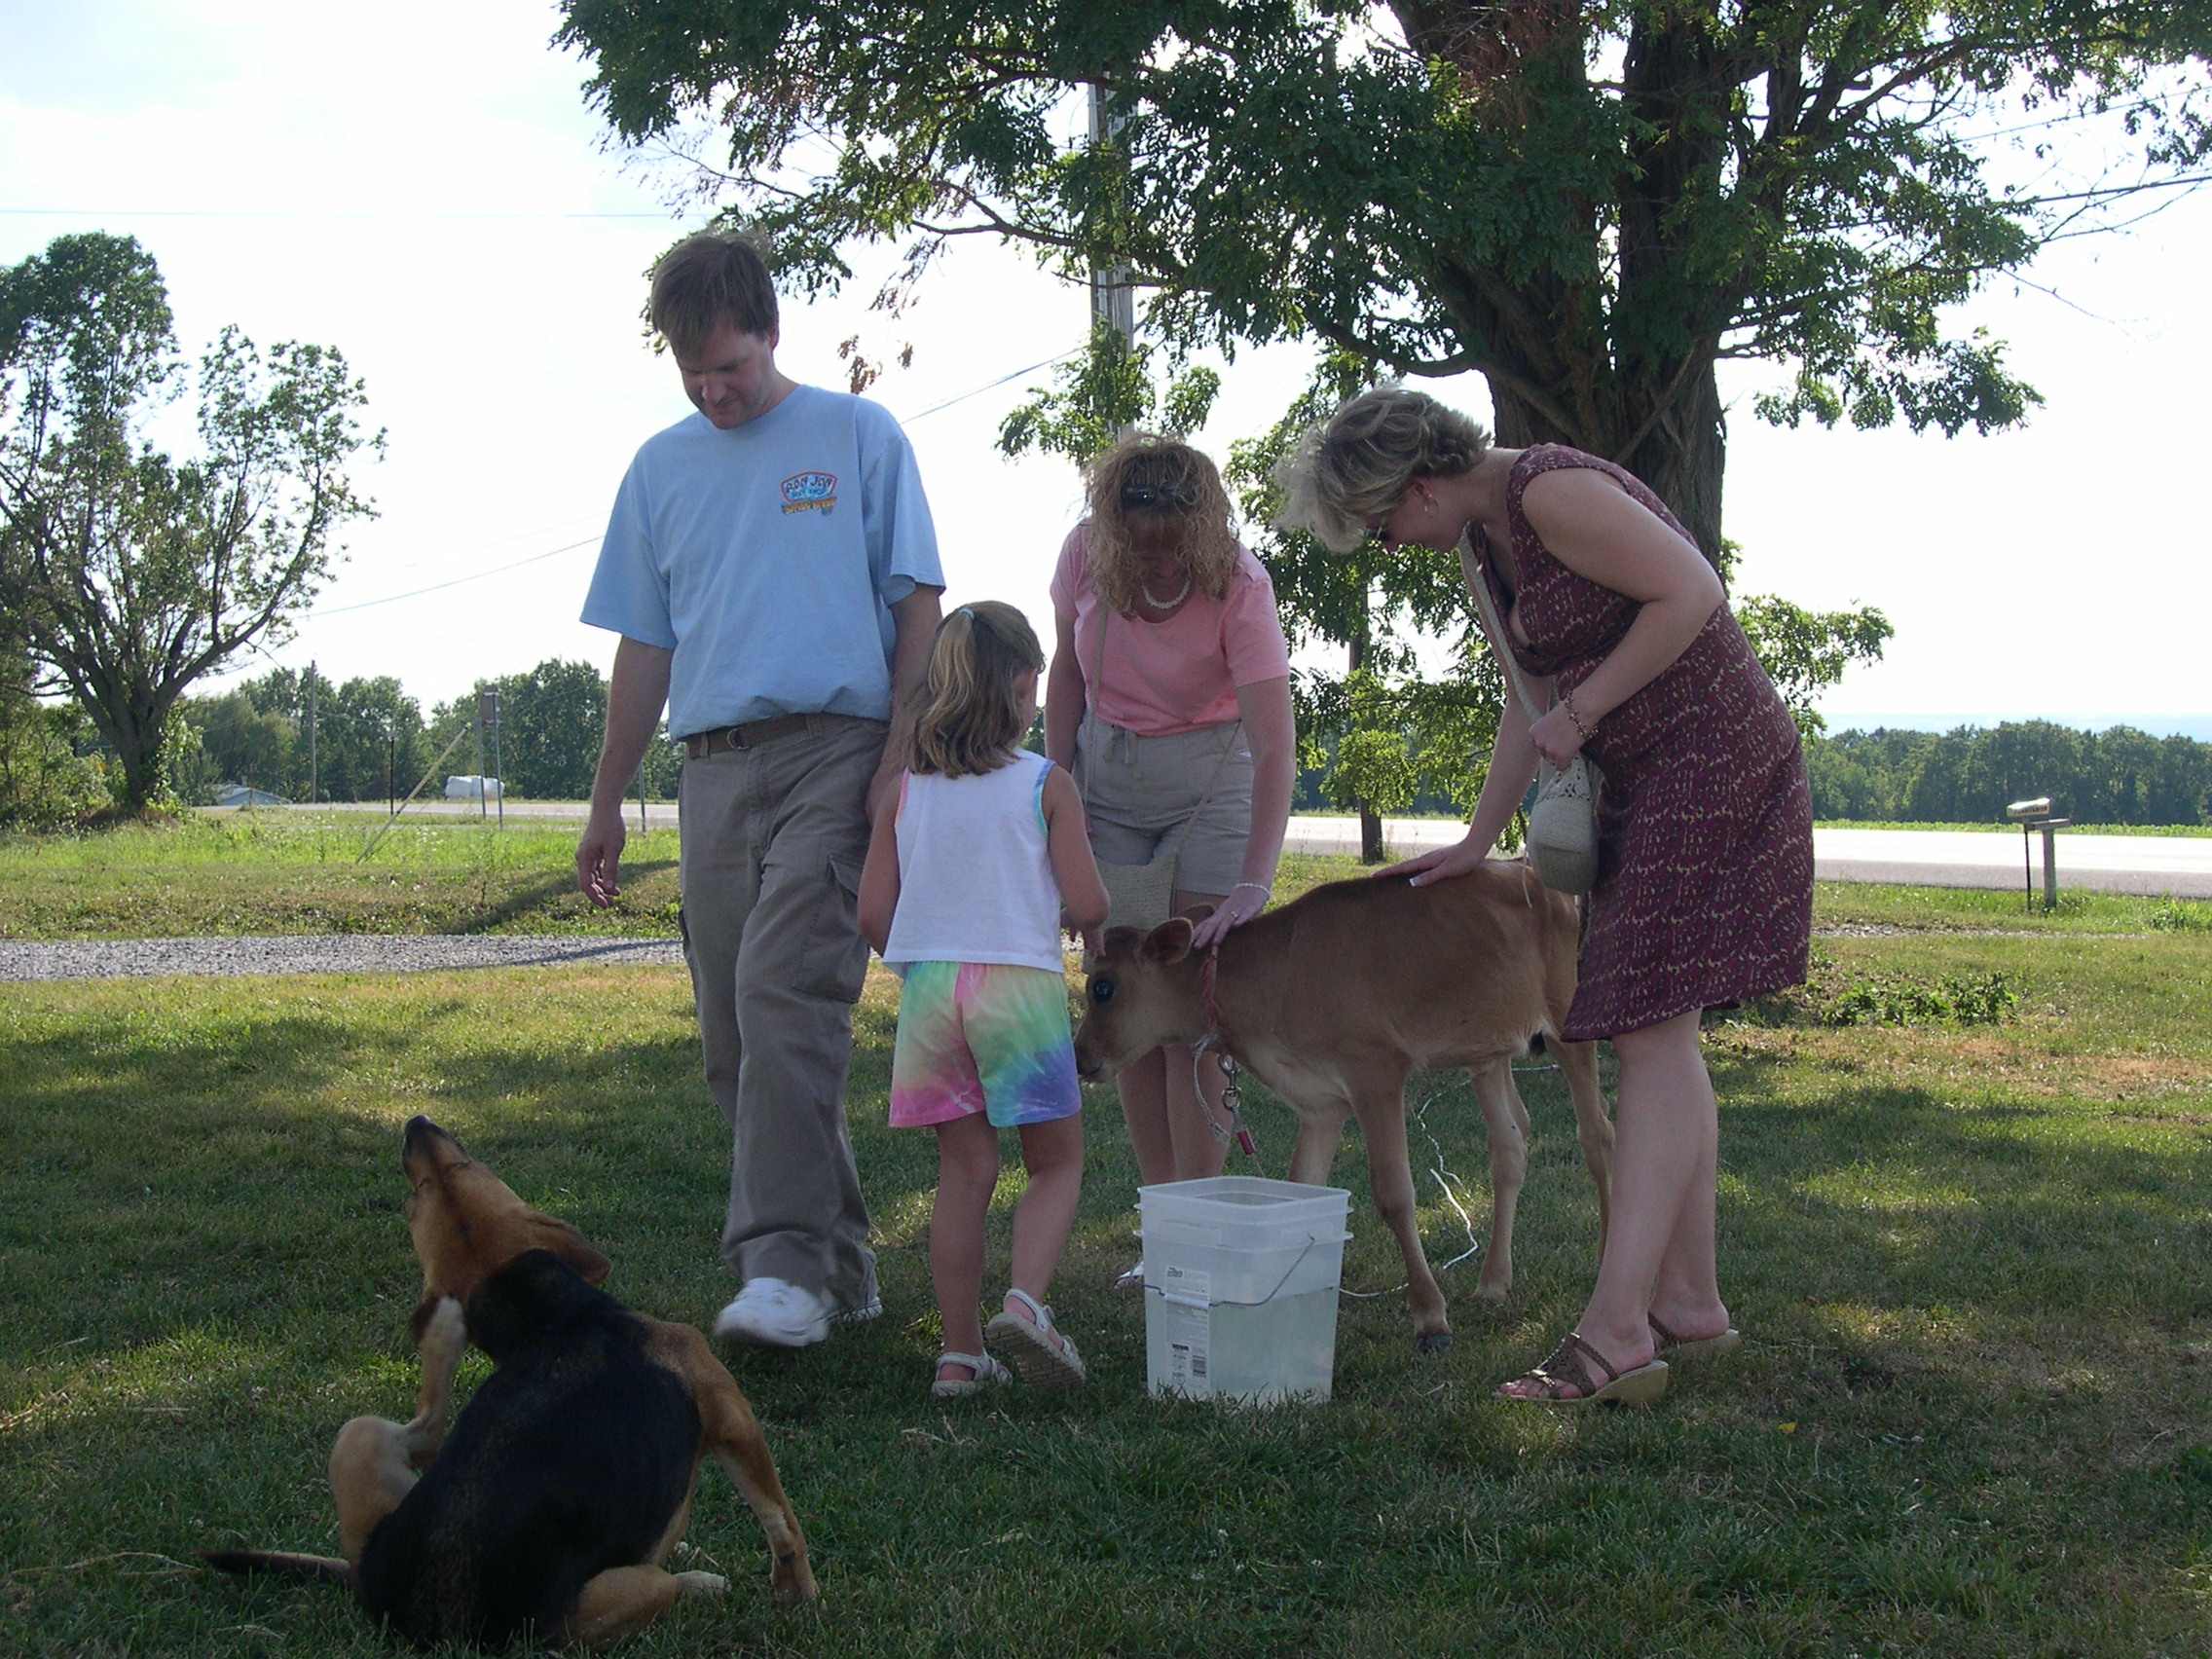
282 1562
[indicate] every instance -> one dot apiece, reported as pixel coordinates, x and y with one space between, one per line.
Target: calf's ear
1170 942
1120 942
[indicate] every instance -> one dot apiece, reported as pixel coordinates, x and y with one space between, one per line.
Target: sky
426 188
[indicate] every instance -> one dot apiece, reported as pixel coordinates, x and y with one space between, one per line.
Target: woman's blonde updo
1147 492
1345 475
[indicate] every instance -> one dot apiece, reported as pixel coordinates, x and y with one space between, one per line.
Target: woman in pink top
1168 624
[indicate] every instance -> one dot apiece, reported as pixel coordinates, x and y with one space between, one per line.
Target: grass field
1973 1416
299 873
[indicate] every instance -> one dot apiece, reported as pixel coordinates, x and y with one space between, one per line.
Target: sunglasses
1174 495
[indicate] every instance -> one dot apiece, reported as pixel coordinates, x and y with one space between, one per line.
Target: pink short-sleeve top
1180 673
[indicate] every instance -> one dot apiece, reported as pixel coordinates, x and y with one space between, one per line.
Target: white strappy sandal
1039 1351
988 1373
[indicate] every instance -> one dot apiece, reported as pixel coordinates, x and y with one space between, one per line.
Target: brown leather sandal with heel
1570 1367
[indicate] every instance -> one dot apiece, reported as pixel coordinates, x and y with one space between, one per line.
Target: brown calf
1334 1000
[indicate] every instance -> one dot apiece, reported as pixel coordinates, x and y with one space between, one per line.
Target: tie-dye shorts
988 1037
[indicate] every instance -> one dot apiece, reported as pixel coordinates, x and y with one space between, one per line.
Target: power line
539 558
439 587
977 392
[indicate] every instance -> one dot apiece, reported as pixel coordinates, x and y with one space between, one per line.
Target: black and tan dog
567 1477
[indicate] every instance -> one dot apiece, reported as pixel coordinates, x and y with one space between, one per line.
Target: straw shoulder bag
1563 821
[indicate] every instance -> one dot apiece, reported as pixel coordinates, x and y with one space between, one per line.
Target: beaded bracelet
1262 889
1566 702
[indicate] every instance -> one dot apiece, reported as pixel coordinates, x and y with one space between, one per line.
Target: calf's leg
1505 1121
1593 1125
1380 1105
1319 1130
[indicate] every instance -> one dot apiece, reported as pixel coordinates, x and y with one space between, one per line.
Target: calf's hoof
1433 1341
701 1583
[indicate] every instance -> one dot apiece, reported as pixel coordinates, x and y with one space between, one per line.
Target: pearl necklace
1169 604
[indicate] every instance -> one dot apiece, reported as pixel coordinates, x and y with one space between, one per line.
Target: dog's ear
1170 942
566 1243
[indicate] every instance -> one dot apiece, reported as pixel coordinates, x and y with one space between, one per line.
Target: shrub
1970 999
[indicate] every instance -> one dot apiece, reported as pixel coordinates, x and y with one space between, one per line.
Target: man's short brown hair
705 280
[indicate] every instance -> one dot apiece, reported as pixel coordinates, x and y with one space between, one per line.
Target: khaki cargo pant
772 841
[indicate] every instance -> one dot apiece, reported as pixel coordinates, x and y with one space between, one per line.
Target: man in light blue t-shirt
772 570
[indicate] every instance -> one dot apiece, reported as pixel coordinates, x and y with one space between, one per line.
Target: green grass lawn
1973 1416
303 874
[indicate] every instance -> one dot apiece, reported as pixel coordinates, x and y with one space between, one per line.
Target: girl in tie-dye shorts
964 892
988 1037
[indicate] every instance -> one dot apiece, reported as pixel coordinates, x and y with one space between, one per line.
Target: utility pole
311 733
1112 299
488 715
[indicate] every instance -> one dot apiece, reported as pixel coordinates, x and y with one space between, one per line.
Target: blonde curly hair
1357 466
1144 490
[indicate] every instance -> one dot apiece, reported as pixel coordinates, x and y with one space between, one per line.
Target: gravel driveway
347 953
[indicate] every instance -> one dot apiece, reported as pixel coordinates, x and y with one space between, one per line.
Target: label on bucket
1190 1330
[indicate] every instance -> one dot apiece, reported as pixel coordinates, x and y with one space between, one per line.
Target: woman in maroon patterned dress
1704 890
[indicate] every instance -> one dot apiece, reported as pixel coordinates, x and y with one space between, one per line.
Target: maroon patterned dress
1705 870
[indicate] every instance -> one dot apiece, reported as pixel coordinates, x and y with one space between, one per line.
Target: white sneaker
871 1308
774 1311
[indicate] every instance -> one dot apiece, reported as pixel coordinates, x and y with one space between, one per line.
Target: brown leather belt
701 743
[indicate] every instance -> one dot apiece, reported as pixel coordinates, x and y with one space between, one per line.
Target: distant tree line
370 739
1968 776
370 736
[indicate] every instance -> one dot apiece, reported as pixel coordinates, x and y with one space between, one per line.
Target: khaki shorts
1138 791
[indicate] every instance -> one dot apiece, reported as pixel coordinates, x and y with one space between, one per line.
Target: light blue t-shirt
767 559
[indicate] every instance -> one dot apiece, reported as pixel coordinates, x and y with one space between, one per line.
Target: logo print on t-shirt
805 492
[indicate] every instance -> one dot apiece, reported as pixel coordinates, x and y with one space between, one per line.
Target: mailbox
2031 816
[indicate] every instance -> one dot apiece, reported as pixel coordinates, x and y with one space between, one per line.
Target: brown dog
567 1477
1334 1000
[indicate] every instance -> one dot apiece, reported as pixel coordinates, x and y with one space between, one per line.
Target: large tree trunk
1682 455
1370 820
1630 381
133 724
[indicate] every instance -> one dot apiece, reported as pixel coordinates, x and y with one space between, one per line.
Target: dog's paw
792 1581
1433 1341
701 1583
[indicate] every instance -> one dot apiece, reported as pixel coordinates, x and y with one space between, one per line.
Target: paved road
2152 865
318 953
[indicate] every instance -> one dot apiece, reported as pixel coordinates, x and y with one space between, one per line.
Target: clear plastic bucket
1241 1278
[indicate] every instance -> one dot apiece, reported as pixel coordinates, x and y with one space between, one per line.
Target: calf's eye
1101 990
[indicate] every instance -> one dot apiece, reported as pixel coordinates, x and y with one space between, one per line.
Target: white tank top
975 874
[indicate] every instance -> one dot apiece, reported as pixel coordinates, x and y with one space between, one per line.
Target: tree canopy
1591 204
131 574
